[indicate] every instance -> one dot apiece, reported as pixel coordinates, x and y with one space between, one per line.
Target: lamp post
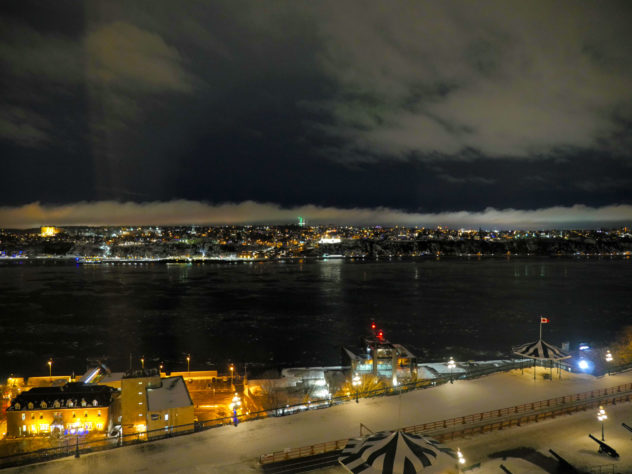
460 458
601 416
451 366
232 374
356 384
142 362
50 368
609 360
234 406
189 364
162 366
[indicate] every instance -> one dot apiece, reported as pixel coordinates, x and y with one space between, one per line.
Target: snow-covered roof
172 393
112 377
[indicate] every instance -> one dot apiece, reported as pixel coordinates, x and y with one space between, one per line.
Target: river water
296 314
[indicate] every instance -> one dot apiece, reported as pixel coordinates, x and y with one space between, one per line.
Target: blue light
583 347
583 364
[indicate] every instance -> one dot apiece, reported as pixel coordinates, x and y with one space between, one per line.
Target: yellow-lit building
74 408
133 400
169 407
49 231
149 403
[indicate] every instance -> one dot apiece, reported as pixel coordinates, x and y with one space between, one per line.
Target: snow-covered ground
237 449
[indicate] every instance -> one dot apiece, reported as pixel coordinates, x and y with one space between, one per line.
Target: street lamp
232 372
162 366
189 364
50 368
601 416
460 458
234 406
451 366
142 362
609 359
356 384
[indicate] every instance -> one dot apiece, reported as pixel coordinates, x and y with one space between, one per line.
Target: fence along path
482 422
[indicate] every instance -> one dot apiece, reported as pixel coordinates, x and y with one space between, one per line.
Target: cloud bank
182 212
505 80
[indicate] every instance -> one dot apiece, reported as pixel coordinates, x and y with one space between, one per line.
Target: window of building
23 416
99 413
88 425
44 427
99 426
166 416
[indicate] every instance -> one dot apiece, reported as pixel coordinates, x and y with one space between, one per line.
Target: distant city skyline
513 115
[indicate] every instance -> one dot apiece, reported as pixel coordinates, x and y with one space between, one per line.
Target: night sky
457 113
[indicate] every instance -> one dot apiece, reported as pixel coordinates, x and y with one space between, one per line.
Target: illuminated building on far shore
49 231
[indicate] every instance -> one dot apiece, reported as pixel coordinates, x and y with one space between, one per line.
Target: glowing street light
451 366
609 359
601 416
162 366
142 362
460 458
234 406
189 364
50 368
356 383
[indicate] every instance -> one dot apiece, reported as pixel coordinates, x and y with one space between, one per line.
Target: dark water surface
288 314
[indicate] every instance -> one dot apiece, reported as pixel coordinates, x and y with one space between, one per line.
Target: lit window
43 427
23 416
88 425
33 429
24 428
140 403
166 416
140 414
99 426
140 393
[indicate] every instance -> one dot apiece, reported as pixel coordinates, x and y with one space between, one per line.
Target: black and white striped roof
540 350
397 452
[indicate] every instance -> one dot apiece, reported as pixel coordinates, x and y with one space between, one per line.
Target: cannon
629 428
604 448
564 465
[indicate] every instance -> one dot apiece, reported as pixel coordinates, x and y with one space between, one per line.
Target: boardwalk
237 449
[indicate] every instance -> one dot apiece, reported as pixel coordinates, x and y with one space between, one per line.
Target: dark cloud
423 107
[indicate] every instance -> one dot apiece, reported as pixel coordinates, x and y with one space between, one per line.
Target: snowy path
236 449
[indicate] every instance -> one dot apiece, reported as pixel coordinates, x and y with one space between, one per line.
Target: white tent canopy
397 452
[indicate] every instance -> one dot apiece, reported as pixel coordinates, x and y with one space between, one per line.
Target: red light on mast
373 326
380 334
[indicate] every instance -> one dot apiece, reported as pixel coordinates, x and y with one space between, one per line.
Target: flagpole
540 327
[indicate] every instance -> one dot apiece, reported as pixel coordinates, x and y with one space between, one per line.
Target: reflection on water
299 313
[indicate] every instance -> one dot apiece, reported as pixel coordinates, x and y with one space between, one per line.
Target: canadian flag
544 320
